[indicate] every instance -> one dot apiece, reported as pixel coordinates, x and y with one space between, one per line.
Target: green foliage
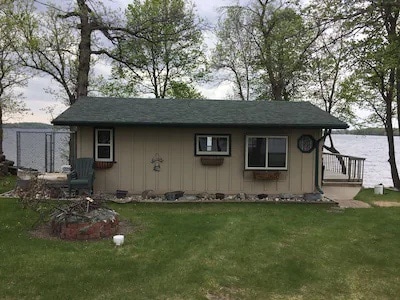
221 251
12 74
264 46
49 46
182 90
371 28
7 183
168 47
118 86
235 51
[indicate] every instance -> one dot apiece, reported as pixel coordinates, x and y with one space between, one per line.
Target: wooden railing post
351 167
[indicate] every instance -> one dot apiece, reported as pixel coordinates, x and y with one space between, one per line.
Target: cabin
196 146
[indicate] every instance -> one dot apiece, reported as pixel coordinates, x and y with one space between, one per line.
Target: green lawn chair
82 176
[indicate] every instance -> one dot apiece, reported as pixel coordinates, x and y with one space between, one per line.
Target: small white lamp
118 239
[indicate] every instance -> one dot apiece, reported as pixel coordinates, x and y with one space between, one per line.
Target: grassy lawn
214 251
7 183
367 195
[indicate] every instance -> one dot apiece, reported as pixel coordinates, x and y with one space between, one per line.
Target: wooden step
341 183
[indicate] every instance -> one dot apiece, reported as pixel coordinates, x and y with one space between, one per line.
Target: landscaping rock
220 196
204 195
286 196
171 196
149 194
122 200
188 198
262 196
121 194
312 196
241 196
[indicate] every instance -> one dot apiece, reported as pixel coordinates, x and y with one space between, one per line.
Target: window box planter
262 175
103 164
212 161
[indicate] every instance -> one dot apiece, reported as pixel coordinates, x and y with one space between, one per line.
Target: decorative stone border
222 198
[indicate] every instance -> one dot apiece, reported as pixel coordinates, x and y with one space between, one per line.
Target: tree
92 20
279 39
54 47
182 90
375 80
12 74
50 47
327 79
169 49
235 50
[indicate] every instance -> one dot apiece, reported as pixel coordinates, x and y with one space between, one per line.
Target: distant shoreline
365 131
362 131
28 125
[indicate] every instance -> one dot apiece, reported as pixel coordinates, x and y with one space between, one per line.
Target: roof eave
219 125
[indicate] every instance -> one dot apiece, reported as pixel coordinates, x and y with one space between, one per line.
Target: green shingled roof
215 113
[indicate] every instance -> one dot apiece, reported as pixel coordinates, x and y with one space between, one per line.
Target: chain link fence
45 151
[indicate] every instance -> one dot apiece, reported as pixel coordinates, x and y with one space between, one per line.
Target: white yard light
118 239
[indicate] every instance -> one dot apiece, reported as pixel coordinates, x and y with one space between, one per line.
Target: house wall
182 170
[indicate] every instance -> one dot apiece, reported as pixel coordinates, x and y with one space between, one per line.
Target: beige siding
135 147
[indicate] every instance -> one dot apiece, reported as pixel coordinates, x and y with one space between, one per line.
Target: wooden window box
262 175
212 161
103 164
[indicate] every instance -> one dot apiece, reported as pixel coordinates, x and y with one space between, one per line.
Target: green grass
368 195
216 251
7 183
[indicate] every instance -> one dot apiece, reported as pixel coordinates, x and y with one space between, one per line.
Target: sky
38 101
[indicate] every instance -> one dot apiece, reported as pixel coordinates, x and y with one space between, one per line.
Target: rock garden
181 196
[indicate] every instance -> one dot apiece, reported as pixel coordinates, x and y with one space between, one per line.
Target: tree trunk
398 96
333 150
392 156
1 130
277 90
84 50
392 161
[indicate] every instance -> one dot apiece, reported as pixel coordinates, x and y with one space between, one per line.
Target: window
104 144
266 153
218 144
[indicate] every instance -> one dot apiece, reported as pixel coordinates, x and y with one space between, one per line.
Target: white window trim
266 153
213 153
97 144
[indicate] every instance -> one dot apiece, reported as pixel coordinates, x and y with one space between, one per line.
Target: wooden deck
337 179
342 170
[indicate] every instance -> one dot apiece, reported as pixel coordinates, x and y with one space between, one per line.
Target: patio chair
82 176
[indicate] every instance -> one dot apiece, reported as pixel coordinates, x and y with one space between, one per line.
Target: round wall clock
306 143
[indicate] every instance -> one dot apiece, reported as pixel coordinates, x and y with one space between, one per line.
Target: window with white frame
213 144
266 152
104 144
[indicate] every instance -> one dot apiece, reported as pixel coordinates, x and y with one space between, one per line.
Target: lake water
373 148
35 146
